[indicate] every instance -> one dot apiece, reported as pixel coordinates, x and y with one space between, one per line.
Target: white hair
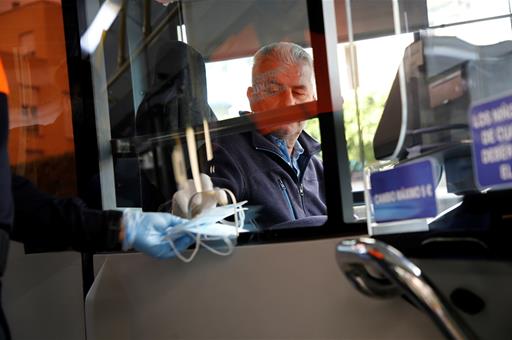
285 52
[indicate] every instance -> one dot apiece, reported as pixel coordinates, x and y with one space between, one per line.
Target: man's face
276 86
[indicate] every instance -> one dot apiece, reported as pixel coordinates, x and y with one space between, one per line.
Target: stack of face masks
210 230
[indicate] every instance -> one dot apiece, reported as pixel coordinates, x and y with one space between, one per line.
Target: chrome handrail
379 270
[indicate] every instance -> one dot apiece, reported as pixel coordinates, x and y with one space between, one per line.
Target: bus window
33 52
157 74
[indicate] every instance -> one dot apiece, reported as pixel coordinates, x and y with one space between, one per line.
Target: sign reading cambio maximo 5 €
405 192
491 128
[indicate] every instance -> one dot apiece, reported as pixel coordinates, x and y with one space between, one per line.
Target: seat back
176 99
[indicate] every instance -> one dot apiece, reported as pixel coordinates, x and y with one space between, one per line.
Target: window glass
367 100
33 52
227 85
478 33
172 102
410 88
157 75
442 12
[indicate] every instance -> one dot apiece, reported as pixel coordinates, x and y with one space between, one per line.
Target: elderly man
278 171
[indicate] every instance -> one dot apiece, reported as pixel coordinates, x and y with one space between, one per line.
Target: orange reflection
33 52
4 86
268 121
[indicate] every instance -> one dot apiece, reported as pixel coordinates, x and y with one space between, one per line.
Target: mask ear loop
178 230
239 215
227 241
179 254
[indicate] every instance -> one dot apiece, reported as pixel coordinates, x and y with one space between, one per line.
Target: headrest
178 94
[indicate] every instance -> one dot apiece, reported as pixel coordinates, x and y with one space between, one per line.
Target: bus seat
177 98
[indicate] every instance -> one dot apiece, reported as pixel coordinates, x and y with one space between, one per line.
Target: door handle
378 270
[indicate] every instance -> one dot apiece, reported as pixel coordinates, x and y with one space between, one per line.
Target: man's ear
250 96
250 93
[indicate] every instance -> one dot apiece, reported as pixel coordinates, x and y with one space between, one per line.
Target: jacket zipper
301 191
299 180
287 198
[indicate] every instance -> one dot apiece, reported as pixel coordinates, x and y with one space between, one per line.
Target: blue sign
491 128
405 192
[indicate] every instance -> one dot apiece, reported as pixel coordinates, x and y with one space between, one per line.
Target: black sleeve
46 223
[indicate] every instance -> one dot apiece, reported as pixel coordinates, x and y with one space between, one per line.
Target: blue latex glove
146 233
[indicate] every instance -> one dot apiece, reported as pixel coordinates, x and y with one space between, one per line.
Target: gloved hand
208 198
146 233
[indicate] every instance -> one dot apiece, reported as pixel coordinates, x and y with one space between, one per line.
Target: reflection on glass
477 33
159 87
370 53
228 81
374 83
447 12
32 50
176 99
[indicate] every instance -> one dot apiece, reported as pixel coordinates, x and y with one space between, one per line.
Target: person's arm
46 223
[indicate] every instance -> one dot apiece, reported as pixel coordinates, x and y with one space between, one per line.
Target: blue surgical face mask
210 230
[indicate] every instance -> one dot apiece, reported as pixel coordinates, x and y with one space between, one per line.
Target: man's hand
146 233
186 203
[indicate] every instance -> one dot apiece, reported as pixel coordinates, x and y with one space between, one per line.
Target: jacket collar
310 145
